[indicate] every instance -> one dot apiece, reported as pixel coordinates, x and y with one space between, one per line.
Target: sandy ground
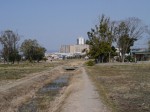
84 97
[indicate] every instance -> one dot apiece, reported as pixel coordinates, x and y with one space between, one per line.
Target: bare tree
9 41
127 32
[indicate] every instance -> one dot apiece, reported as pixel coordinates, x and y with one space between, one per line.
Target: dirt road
84 97
15 93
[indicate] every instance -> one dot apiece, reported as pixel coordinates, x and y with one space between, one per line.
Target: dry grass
17 71
124 87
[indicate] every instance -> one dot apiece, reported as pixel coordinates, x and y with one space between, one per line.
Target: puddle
56 85
29 107
45 95
70 68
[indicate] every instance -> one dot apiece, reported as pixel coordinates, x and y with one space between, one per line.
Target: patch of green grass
125 88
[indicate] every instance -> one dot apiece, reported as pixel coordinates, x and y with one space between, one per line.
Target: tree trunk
109 57
123 57
102 59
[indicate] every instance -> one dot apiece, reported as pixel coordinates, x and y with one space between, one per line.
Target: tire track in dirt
14 94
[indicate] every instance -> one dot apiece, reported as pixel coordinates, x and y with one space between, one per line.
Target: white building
80 41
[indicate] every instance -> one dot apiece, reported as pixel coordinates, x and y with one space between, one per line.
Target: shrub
90 63
129 59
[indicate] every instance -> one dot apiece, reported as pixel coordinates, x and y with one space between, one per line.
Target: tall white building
80 41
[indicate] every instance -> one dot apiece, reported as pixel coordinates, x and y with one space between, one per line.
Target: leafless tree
9 41
127 32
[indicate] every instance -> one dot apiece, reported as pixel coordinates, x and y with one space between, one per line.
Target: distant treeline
29 50
107 33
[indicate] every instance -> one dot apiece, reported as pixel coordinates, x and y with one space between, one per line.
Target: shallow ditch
45 95
69 68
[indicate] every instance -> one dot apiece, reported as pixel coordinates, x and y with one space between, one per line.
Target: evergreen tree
100 40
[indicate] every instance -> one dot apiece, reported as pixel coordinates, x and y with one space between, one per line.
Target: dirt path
15 93
84 97
30 78
79 96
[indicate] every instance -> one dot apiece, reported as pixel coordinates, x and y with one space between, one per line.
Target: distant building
141 54
65 49
78 48
73 49
80 41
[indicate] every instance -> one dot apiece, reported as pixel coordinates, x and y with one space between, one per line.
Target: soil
79 96
14 93
83 97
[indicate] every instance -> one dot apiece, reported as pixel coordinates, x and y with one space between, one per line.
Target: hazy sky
56 22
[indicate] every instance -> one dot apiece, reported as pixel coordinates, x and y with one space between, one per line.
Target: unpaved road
84 97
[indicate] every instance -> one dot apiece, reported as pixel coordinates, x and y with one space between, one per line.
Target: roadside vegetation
123 87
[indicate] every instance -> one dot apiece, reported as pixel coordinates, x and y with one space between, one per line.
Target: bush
129 59
90 63
45 59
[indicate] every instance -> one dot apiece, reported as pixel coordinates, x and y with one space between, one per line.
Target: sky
57 22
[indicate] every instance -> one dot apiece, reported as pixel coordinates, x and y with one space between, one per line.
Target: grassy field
17 71
124 87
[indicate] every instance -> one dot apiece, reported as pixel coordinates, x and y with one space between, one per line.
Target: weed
125 88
